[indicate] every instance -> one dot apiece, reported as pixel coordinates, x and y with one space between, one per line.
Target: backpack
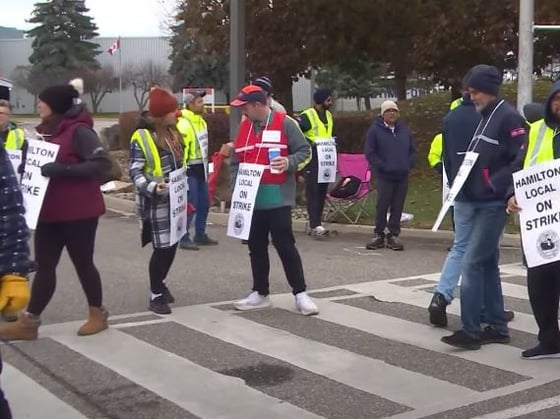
346 187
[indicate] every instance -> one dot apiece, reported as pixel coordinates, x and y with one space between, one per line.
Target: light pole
236 58
525 54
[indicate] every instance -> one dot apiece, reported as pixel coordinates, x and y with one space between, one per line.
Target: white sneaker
253 302
305 305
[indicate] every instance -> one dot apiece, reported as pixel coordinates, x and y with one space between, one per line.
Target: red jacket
71 198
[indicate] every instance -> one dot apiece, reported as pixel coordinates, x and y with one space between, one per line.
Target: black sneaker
438 316
168 296
376 243
490 335
394 243
540 352
188 244
159 305
204 240
509 315
462 340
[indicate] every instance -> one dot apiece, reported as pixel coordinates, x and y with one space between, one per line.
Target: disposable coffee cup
272 154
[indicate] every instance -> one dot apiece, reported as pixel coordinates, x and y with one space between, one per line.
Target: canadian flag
114 47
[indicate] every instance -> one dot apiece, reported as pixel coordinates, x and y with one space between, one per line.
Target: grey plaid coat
152 209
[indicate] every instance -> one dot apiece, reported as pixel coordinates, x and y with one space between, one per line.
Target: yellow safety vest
318 129
149 148
15 139
455 103
190 126
436 149
541 144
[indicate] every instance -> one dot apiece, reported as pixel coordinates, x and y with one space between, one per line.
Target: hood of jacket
145 122
551 119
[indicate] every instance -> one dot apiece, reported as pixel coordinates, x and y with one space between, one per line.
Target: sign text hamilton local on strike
538 191
31 160
179 187
241 181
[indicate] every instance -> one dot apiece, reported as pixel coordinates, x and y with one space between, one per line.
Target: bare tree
99 82
143 77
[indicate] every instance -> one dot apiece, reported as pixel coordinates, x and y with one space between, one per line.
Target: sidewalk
127 208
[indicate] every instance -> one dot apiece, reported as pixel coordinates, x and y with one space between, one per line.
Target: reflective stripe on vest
318 129
182 125
149 148
540 147
15 139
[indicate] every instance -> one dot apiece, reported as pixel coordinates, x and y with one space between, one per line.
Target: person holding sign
390 151
156 154
15 263
194 130
317 126
543 280
480 217
271 183
70 210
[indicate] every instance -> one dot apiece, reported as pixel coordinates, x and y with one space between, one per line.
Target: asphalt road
369 354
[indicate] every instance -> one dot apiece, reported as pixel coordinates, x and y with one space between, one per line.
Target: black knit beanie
59 98
485 79
321 95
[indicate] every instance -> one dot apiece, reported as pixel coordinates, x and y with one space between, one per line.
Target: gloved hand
54 170
14 293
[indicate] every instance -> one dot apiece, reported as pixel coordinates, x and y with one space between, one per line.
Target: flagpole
120 77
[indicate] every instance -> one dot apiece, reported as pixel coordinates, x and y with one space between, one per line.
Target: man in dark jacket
15 264
390 152
480 210
543 282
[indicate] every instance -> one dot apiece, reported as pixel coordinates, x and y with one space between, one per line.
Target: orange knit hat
161 102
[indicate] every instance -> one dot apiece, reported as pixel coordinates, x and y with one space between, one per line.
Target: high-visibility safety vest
194 130
145 141
318 128
15 139
436 149
540 148
455 103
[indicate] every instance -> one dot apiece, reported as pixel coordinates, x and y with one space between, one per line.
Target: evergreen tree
62 37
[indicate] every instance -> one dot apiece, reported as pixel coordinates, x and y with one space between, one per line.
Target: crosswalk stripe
524 409
385 291
29 400
184 383
502 357
399 385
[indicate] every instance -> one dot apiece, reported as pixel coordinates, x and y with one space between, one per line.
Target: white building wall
135 51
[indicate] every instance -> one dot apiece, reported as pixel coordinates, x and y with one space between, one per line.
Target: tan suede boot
96 322
25 328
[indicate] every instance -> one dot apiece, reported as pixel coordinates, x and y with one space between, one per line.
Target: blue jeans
198 197
481 287
453 265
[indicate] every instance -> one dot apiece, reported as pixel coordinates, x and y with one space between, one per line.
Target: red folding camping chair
351 165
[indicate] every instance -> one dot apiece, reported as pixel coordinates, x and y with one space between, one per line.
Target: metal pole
120 77
525 54
236 59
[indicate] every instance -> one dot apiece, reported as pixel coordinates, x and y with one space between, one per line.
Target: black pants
543 283
160 263
277 222
5 412
315 193
390 195
79 239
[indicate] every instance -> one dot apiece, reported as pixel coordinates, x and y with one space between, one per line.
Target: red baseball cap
249 94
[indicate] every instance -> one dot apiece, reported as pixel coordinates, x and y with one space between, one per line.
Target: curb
127 208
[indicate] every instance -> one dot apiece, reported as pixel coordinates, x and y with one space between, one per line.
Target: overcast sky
113 17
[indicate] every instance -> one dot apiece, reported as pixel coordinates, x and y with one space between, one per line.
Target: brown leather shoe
25 328
96 322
